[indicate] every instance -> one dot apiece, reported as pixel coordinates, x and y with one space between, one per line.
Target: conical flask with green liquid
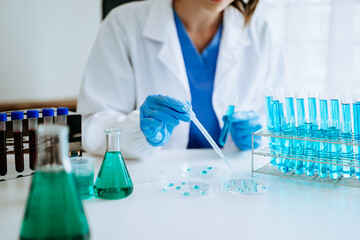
54 209
113 180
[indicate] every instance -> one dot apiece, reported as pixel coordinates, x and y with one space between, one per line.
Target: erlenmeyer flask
54 209
113 180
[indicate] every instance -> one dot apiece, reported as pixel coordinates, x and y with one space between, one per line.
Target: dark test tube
17 118
48 115
32 116
61 116
3 160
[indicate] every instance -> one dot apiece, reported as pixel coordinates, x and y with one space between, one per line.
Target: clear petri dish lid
143 175
239 185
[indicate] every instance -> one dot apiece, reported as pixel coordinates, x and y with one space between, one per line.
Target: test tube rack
75 146
261 159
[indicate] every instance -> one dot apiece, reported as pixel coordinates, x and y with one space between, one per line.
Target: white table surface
292 209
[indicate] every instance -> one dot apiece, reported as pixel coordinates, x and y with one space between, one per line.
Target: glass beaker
113 180
54 209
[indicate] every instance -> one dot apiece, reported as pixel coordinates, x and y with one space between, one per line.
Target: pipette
208 138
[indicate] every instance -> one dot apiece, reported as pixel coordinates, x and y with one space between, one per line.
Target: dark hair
247 9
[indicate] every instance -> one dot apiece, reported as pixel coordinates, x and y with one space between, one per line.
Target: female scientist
151 57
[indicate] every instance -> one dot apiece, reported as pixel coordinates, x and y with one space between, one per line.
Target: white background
44 45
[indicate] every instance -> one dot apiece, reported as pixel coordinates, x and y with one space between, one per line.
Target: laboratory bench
291 209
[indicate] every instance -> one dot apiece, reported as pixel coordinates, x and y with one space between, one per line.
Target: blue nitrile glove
159 115
243 124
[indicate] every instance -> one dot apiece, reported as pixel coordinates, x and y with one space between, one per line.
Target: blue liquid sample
356 114
309 149
334 135
299 133
347 151
322 148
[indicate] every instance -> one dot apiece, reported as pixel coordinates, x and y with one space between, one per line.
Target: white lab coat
137 53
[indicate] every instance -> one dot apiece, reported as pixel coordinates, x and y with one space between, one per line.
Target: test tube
299 132
17 118
288 131
276 128
32 116
334 136
48 115
3 160
62 113
356 115
347 151
269 121
268 100
309 148
322 147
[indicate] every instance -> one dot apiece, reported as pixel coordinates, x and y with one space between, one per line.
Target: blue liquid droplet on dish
196 187
183 183
178 188
202 192
247 189
188 169
263 187
254 190
186 194
163 190
255 184
233 183
171 184
227 186
208 168
204 172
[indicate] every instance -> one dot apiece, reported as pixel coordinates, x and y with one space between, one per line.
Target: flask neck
113 141
53 147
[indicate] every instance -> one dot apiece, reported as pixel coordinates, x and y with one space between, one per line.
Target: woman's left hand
243 124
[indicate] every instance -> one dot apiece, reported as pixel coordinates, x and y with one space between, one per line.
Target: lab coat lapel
234 38
160 26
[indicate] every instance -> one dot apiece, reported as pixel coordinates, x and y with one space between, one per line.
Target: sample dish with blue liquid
181 188
202 171
243 186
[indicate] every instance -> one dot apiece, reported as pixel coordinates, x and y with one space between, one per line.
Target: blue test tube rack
325 147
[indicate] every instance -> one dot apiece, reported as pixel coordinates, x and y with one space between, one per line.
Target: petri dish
244 186
186 189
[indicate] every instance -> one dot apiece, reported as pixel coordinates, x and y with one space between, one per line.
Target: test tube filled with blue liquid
322 147
299 133
276 111
333 134
356 115
288 131
309 148
269 120
347 151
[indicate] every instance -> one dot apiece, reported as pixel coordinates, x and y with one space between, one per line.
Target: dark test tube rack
75 146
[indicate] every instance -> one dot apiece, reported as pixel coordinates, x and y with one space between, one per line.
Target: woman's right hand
159 115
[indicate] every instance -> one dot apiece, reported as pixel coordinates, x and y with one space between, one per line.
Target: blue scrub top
200 69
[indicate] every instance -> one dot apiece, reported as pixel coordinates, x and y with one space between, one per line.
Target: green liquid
54 210
84 183
113 180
